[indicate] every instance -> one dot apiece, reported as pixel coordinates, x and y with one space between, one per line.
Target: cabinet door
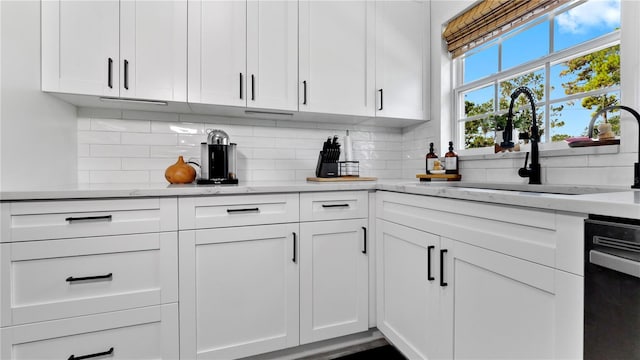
153 43
497 306
407 298
272 54
217 52
334 282
401 29
336 53
238 291
80 47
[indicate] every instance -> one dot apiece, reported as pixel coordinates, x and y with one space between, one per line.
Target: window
569 58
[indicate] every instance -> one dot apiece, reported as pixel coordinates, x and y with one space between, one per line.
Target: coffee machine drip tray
217 181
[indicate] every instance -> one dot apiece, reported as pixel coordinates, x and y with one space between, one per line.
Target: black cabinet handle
110 73
304 92
442 282
429 277
294 247
126 74
241 86
109 277
381 99
243 210
104 353
253 87
365 240
89 218
334 205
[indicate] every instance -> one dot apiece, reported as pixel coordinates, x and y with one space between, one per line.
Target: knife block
326 169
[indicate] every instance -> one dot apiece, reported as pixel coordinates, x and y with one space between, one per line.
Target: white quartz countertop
611 201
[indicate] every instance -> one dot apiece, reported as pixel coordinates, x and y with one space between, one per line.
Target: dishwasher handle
615 263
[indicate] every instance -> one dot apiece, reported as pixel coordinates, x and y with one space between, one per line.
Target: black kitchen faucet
636 167
533 171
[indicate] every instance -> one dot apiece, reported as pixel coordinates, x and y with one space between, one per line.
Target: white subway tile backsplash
191 140
115 148
98 150
84 150
84 123
92 163
177 128
121 125
174 151
148 163
149 139
101 177
98 137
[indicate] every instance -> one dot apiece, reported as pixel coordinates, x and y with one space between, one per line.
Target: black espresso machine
218 159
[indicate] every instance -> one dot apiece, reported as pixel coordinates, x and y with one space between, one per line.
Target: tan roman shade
491 18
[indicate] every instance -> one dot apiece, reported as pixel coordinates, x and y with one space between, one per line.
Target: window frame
545 63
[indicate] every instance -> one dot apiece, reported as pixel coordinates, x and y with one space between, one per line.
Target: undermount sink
545 189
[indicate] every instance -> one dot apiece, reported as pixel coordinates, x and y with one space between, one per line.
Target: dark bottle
432 158
451 160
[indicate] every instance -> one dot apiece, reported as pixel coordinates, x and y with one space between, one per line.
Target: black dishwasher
612 288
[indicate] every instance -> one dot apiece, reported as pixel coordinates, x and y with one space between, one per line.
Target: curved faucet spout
636 172
533 171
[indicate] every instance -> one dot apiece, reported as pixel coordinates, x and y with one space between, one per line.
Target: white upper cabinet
272 54
401 77
243 53
217 52
80 47
131 49
153 50
336 57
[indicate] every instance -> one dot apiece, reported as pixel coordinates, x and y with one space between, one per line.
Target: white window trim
545 63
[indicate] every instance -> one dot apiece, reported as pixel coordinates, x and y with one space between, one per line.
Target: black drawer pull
381 100
241 81
126 74
110 73
243 210
90 218
364 251
295 236
109 277
442 282
104 353
429 277
334 205
253 87
304 92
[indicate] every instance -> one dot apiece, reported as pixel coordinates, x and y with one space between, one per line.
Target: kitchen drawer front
336 205
40 220
145 333
237 210
54 279
526 233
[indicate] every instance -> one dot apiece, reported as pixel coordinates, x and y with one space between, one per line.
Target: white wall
37 131
589 167
140 147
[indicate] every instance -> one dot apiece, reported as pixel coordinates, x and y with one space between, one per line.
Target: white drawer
335 205
145 333
54 279
237 210
38 220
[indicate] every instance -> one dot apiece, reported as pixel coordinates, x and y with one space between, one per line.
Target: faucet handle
524 171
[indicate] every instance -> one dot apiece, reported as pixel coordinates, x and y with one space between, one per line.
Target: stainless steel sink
545 189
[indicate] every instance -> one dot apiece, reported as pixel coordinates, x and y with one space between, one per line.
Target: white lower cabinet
407 290
239 289
442 295
334 267
497 306
143 333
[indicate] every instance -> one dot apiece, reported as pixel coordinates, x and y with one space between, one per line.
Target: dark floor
386 352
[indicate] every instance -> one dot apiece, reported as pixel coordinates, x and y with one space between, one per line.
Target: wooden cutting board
343 178
594 143
448 177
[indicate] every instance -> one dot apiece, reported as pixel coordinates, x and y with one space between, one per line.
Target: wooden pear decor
180 172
